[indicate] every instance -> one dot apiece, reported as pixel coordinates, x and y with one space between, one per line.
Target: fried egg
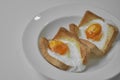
68 52
95 31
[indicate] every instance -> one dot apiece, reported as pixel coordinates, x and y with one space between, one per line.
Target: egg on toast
94 32
64 51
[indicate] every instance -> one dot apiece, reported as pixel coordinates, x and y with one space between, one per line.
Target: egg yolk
58 47
94 32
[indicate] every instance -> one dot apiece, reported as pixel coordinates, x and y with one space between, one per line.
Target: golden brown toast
62 33
112 33
88 16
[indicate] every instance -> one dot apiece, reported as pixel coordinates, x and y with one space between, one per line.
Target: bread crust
88 16
62 33
110 41
74 29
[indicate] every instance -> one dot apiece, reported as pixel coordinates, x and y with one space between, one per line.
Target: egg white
100 44
73 59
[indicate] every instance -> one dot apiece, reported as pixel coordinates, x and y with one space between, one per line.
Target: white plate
47 23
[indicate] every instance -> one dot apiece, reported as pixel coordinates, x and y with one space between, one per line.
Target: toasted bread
43 45
62 33
112 33
88 16
90 46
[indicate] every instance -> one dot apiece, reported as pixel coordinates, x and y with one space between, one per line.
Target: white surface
14 17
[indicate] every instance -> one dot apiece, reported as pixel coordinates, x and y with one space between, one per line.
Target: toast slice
111 33
90 46
62 34
43 45
88 16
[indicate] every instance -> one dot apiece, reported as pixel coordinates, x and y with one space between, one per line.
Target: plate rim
46 24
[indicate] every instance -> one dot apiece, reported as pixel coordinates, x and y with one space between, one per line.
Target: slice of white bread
112 33
62 33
